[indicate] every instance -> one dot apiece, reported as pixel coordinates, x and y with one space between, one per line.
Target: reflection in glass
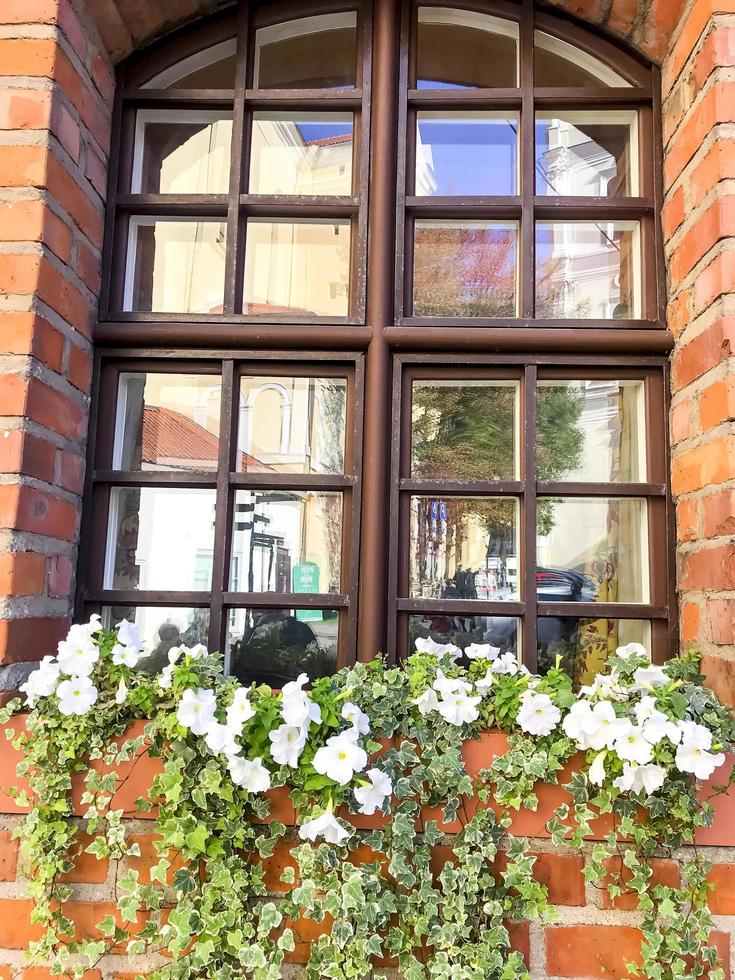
586 644
273 646
464 430
465 49
175 266
301 153
160 538
178 152
587 154
161 628
292 425
592 550
588 270
460 548
286 541
212 68
591 431
558 63
311 52
498 631
469 153
167 422
465 268
297 267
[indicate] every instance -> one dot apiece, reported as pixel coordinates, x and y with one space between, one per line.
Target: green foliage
382 892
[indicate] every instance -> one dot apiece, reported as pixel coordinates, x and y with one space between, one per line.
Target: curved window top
311 52
465 49
212 67
558 63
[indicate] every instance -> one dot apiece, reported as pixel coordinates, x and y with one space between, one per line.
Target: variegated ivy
645 734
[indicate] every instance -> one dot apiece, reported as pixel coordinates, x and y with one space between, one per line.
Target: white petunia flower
481 651
196 710
166 678
126 656
609 726
506 663
580 723
425 644
326 826
197 651
427 702
287 744
357 718
449 685
458 708
597 769
221 739
486 682
41 682
630 744
175 654
128 635
606 686
371 797
693 754
648 677
538 715
297 708
340 759
76 695
640 779
78 654
241 710
250 774
632 650
121 695
655 724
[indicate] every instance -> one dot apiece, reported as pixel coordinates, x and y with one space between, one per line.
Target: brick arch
647 25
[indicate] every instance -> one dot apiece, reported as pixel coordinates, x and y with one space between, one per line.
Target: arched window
381 347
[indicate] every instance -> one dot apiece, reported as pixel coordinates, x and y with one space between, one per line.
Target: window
309 201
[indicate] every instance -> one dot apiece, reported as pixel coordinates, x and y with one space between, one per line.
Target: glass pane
311 52
167 422
212 68
588 270
161 628
585 644
273 646
469 153
464 268
292 425
286 541
558 63
175 266
301 153
591 431
160 538
460 548
464 430
587 154
465 49
592 550
298 267
181 152
499 631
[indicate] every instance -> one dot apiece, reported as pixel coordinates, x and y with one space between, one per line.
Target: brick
705 351
592 951
622 16
8 856
717 404
663 17
72 27
87 869
87 267
674 212
28 11
16 929
714 281
31 334
704 465
717 51
95 170
721 621
719 675
41 973
691 616
687 520
55 410
71 471
22 640
60 574
24 109
33 221
717 222
719 514
150 856
79 369
21 452
715 106
28 509
663 873
66 129
681 427
27 56
718 165
34 274
562 875
22 573
709 568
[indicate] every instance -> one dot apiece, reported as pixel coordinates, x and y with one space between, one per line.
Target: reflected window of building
311 52
301 153
465 49
181 152
466 153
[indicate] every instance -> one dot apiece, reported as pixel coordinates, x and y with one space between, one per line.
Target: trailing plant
372 741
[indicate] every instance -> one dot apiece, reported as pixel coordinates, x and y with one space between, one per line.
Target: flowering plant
642 737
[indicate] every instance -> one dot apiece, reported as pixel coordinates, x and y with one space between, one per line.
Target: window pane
160 538
470 153
161 628
301 153
298 267
586 644
167 422
588 270
460 547
175 266
591 431
212 68
181 152
592 550
558 63
465 49
499 631
292 425
286 541
311 52
273 646
464 430
587 154
464 268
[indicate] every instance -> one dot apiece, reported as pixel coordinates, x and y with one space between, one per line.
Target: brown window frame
380 335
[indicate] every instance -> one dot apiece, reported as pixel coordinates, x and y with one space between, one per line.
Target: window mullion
526 264
240 132
530 622
223 510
